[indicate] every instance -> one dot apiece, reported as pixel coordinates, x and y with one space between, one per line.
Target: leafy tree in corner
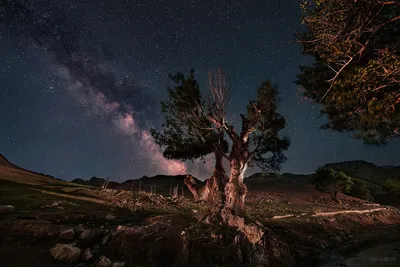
192 121
356 74
330 181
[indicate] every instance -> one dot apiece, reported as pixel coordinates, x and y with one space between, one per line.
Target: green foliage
269 147
331 181
356 74
187 133
194 128
392 187
359 189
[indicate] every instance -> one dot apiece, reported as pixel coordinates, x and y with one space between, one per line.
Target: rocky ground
54 223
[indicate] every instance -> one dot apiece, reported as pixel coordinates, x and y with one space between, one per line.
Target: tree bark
235 189
218 180
213 190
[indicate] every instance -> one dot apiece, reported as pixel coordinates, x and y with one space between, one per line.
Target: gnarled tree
188 134
256 143
356 74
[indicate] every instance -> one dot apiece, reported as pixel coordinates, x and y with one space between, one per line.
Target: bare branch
332 81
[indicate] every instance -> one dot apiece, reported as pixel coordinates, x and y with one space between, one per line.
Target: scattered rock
42 207
118 264
79 229
105 239
85 234
110 217
195 211
65 252
67 234
87 255
47 206
104 262
60 208
55 204
6 209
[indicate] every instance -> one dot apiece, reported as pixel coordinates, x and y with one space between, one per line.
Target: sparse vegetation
359 189
148 227
332 182
392 187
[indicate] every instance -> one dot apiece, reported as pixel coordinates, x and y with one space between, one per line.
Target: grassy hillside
373 175
295 214
367 171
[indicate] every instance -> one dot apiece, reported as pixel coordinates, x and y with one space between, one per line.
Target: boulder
65 252
87 255
91 237
118 264
67 234
104 262
85 234
55 204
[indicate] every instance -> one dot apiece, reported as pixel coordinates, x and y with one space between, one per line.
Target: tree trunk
193 187
235 189
213 190
217 180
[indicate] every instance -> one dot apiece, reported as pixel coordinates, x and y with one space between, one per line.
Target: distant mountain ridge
159 183
374 175
366 170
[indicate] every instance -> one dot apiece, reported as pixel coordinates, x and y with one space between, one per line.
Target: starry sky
81 82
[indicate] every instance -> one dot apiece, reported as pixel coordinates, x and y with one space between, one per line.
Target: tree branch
332 81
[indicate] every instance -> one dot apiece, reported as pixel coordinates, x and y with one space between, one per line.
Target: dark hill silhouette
161 183
96 182
367 171
5 163
374 175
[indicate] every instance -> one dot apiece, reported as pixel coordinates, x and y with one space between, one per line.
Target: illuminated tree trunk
213 190
235 189
218 180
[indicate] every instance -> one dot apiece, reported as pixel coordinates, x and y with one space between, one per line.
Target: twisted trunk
213 190
235 189
217 180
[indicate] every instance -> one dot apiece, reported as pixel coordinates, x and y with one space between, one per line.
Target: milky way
82 80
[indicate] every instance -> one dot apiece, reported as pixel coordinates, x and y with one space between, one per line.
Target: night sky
81 82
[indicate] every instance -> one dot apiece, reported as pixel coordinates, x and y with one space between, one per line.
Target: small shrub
392 187
359 189
332 182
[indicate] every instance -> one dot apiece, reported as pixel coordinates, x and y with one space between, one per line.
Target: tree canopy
356 73
187 133
264 123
